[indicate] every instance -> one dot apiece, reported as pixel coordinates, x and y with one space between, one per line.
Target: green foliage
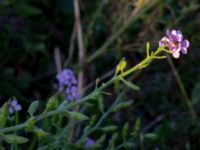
30 31
14 139
3 115
33 107
77 116
131 85
110 128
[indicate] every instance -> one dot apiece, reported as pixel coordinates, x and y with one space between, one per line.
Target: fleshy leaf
15 139
33 107
77 116
131 85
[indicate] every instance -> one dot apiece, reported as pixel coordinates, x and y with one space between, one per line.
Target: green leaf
125 130
101 139
3 115
110 128
40 133
151 136
52 103
33 107
26 10
15 139
77 116
113 140
136 128
29 126
122 105
131 85
93 120
196 94
100 103
128 145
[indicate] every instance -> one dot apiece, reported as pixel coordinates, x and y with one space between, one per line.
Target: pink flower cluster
175 43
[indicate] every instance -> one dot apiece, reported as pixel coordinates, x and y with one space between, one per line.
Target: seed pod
15 139
109 128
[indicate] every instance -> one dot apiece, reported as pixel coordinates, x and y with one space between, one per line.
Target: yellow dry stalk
139 4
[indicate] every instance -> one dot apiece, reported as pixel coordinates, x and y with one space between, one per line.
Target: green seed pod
3 115
109 128
15 139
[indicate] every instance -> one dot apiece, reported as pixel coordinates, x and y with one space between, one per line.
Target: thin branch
57 59
81 54
182 88
71 47
104 76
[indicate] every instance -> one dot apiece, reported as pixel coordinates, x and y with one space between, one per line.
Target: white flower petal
176 54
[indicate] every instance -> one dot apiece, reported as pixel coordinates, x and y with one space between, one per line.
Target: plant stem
101 119
139 66
182 88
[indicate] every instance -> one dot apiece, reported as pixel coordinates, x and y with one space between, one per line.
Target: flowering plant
63 127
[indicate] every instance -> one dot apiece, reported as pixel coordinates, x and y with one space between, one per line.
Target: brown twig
71 47
57 58
81 54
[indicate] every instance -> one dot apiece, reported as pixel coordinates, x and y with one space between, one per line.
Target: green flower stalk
122 74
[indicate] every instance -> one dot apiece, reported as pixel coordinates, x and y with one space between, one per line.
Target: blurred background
39 37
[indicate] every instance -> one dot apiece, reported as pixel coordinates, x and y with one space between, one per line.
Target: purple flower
67 82
14 106
72 93
89 142
175 43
